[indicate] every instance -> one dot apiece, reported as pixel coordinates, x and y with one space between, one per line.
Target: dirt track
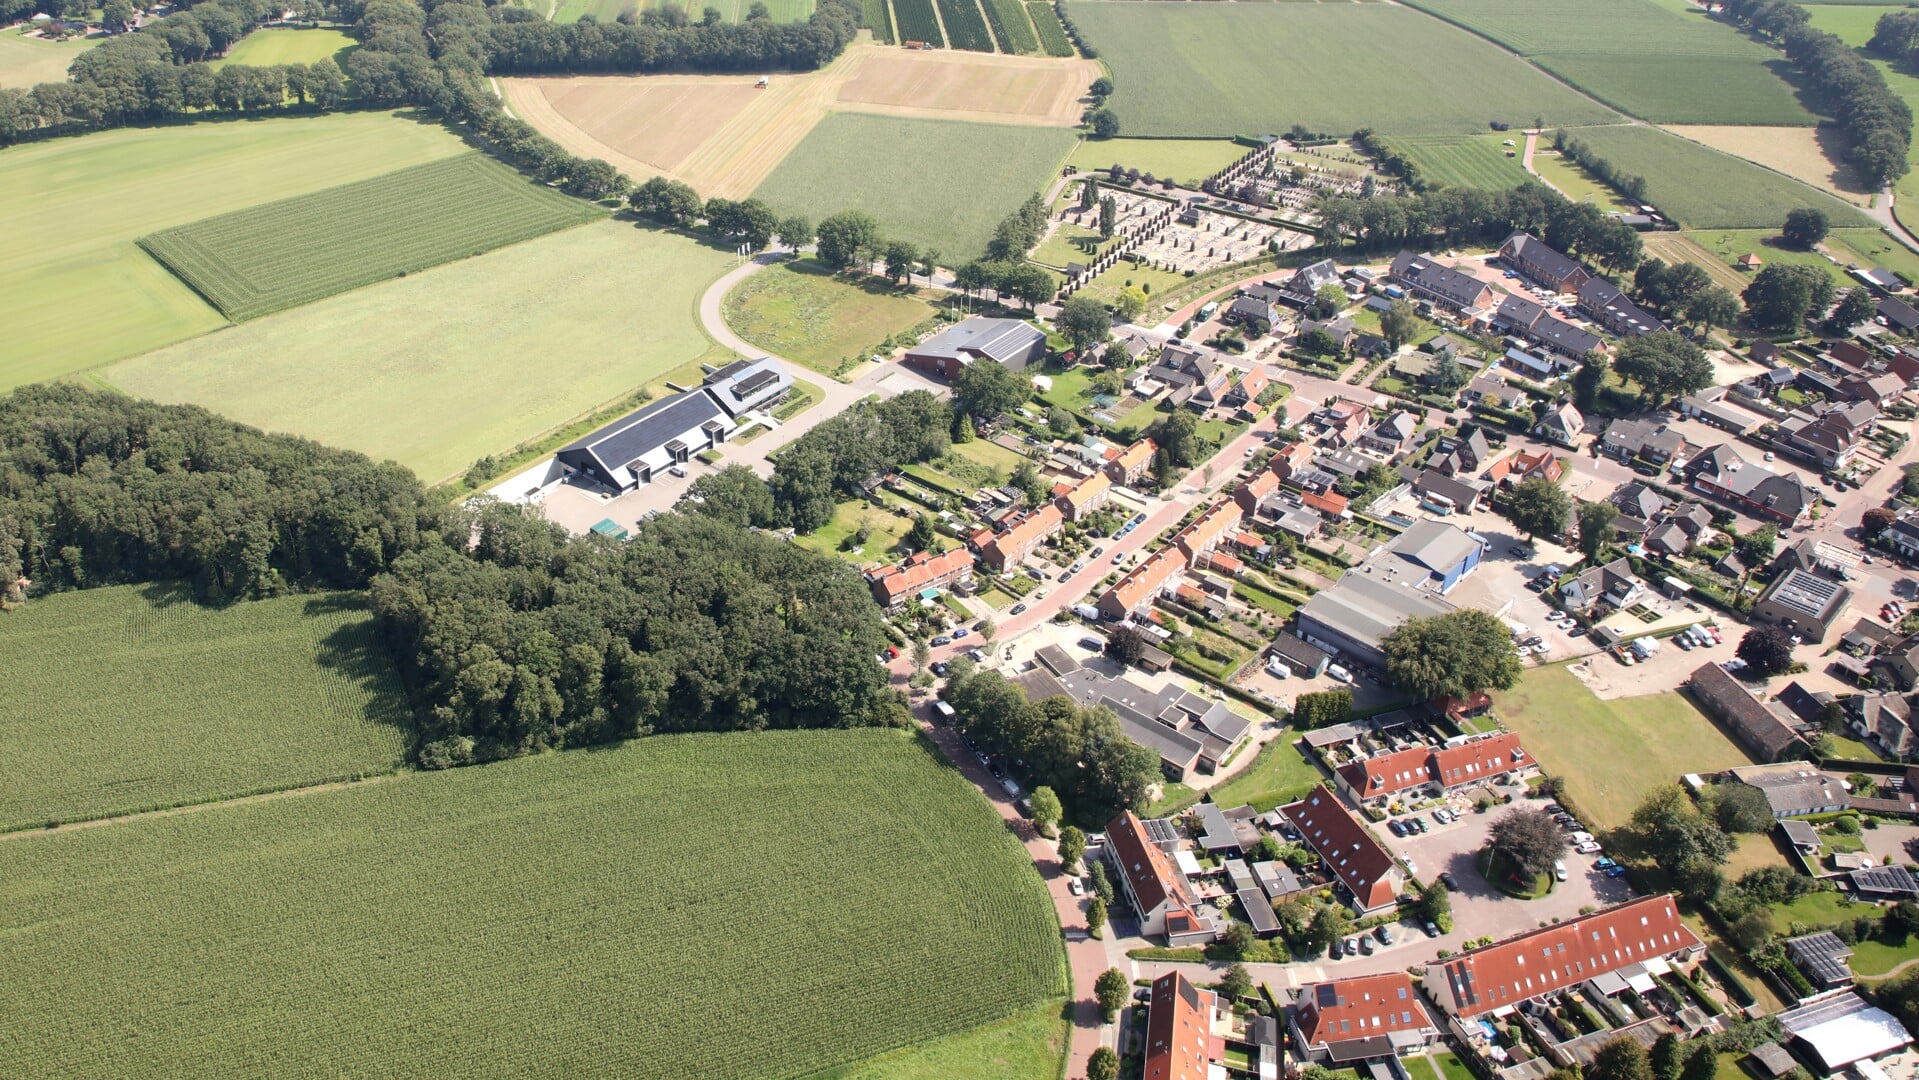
723 137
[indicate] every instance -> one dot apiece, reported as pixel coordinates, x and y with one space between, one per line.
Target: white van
1559 870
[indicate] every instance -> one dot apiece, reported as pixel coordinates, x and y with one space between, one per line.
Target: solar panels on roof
1325 995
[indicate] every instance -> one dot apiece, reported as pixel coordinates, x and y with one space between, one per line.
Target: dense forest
513 635
436 56
1877 123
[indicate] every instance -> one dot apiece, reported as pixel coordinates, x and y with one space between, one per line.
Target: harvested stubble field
269 258
1742 195
1639 57
901 182
997 89
1234 69
658 120
81 293
1470 161
847 895
135 698
437 369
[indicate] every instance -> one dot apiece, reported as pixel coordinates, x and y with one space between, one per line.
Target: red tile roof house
1138 586
1180 1044
1499 977
1348 848
1081 499
1362 1018
1153 886
895 585
1254 491
1131 463
1379 778
1219 521
1008 548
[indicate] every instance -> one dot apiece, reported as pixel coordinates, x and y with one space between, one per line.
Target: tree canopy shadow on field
355 652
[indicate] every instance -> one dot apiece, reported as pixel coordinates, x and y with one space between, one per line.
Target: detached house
1303 286
1614 584
1826 434
1563 425
1884 720
1647 439
1126 467
1392 436
1348 1021
1750 488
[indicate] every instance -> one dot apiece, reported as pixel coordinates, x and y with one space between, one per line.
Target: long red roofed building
1179 1030
1518 969
1473 761
1348 848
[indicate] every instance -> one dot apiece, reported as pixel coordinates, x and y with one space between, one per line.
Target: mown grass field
25 61
1852 22
905 176
1029 1046
437 369
1244 69
1567 727
1741 196
1471 161
804 312
1639 57
79 293
769 905
1187 161
131 698
289 47
269 258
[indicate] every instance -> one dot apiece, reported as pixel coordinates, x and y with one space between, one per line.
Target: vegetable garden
131 698
282 254
1011 27
770 904
1052 33
917 22
965 26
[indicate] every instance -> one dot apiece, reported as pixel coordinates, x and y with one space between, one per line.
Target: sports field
440 368
804 312
79 292
1639 57
904 176
1187 161
1568 728
769 905
131 698
269 258
1742 195
1470 161
25 61
264 47
1236 69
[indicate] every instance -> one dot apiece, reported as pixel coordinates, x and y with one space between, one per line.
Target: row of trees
1631 186
1877 122
1081 753
1462 216
528 639
1684 292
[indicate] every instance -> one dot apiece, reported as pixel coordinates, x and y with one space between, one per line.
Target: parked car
1073 886
1064 574
1118 557
1339 674
1337 950
1017 608
960 633
1431 929
1366 945
1397 828
1604 862
1589 847
1384 933
1615 871
1447 879
1559 870
942 640
940 668
1092 643
1352 945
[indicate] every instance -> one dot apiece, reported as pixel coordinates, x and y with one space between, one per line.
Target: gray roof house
1563 425
1440 284
1013 343
1613 583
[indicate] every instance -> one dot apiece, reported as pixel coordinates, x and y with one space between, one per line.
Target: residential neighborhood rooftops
1178 1029
1153 880
1348 847
1763 732
1365 1006
1840 1028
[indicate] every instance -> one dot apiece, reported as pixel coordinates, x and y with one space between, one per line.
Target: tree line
1631 186
1877 122
1465 216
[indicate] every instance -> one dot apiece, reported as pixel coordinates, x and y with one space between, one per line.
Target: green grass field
1852 22
883 532
131 698
803 312
79 293
906 179
1245 69
465 360
1741 196
1575 182
1470 161
1566 727
289 47
1187 161
769 904
1639 57
269 258
1280 774
1029 1046
25 61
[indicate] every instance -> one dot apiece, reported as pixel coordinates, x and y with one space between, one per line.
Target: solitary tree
1045 809
1701 1064
1235 984
1620 1059
1104 1065
901 257
1538 506
1529 841
1436 906
848 238
1399 323
1672 831
1856 306
987 629
1084 321
1457 654
1105 123
1768 649
795 232
1741 808
922 536
1805 227
1108 217
1111 989
1072 842
1126 645
1664 364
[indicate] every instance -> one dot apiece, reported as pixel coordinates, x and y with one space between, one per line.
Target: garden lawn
79 293
1065 245
989 455
690 906
25 61
1728 244
1470 161
1820 909
1187 161
884 529
269 258
1279 774
1029 1046
1565 726
1242 69
1640 58
439 369
133 697
1450 1067
805 312
281 46
1742 195
942 184
1873 957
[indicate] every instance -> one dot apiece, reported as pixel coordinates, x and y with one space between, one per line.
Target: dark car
1447 879
942 640
1017 608
1336 951
1432 929
1396 827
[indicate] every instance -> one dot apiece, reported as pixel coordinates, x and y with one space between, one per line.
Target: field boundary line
303 788
1523 58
